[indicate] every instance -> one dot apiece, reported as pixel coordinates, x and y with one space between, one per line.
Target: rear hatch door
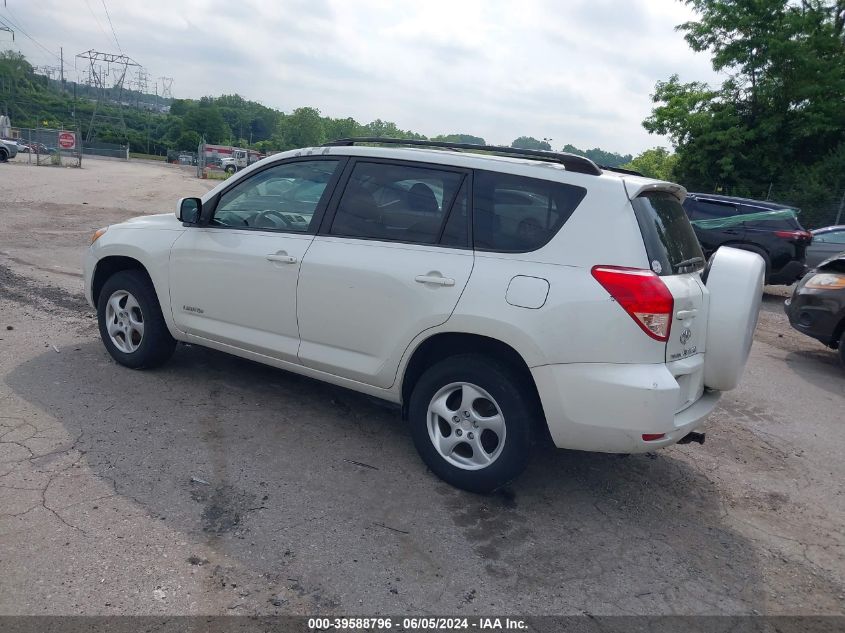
675 254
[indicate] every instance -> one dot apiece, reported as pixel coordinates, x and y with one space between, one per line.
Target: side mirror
189 209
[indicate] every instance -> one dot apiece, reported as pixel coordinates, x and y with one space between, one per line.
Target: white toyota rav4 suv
496 294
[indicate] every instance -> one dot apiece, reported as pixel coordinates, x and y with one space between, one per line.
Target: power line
16 26
111 26
96 19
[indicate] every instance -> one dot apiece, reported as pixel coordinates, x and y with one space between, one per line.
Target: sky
574 71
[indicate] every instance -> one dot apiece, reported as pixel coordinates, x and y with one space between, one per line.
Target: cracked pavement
218 486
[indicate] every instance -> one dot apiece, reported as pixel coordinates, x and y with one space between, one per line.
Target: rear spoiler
638 186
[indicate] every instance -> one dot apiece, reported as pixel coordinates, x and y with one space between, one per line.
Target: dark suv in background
779 238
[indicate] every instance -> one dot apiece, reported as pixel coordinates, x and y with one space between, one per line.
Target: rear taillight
642 294
795 235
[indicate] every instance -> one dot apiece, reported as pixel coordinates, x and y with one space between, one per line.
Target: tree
657 162
529 142
302 128
342 128
600 156
205 119
779 113
188 141
460 138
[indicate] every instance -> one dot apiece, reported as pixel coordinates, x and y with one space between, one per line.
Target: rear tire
483 439
4 156
131 323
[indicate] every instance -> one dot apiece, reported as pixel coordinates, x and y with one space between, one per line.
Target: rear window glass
517 214
670 242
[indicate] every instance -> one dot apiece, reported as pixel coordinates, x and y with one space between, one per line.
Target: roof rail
621 170
572 162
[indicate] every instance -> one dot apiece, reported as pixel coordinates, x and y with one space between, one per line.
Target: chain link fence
109 150
819 210
47 146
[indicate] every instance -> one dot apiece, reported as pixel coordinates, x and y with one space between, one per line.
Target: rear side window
517 214
709 209
401 203
670 242
784 218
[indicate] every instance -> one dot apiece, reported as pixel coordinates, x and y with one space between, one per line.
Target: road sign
67 140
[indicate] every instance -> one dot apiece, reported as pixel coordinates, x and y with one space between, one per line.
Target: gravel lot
218 486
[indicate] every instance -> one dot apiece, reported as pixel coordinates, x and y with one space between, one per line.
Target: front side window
398 203
519 214
283 198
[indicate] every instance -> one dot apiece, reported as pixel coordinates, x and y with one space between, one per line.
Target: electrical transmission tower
107 74
48 71
166 87
140 84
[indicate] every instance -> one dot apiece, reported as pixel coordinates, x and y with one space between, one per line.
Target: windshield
669 239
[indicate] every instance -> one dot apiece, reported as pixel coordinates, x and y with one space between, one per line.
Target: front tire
131 323
471 421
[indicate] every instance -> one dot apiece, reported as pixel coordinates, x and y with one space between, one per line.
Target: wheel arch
108 266
445 344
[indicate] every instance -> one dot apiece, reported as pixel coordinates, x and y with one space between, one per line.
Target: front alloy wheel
131 323
124 321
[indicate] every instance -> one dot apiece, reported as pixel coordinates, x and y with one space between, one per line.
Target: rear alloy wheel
131 324
471 422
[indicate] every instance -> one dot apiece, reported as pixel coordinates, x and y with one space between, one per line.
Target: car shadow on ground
297 479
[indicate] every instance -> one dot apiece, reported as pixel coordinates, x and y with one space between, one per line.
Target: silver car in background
8 149
827 242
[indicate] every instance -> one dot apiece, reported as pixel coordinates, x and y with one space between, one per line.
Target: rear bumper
608 407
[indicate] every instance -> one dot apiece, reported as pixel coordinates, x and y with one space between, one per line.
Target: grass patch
217 175
147 156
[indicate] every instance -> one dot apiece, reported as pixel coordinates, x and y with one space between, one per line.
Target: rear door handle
282 259
686 314
431 279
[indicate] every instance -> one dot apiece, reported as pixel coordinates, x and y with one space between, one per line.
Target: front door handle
281 258
433 279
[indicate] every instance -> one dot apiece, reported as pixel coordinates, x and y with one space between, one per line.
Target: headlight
98 234
826 281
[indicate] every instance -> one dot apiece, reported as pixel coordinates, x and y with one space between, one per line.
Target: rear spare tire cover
735 282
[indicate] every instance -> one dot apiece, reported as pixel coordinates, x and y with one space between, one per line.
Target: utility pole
841 207
62 57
